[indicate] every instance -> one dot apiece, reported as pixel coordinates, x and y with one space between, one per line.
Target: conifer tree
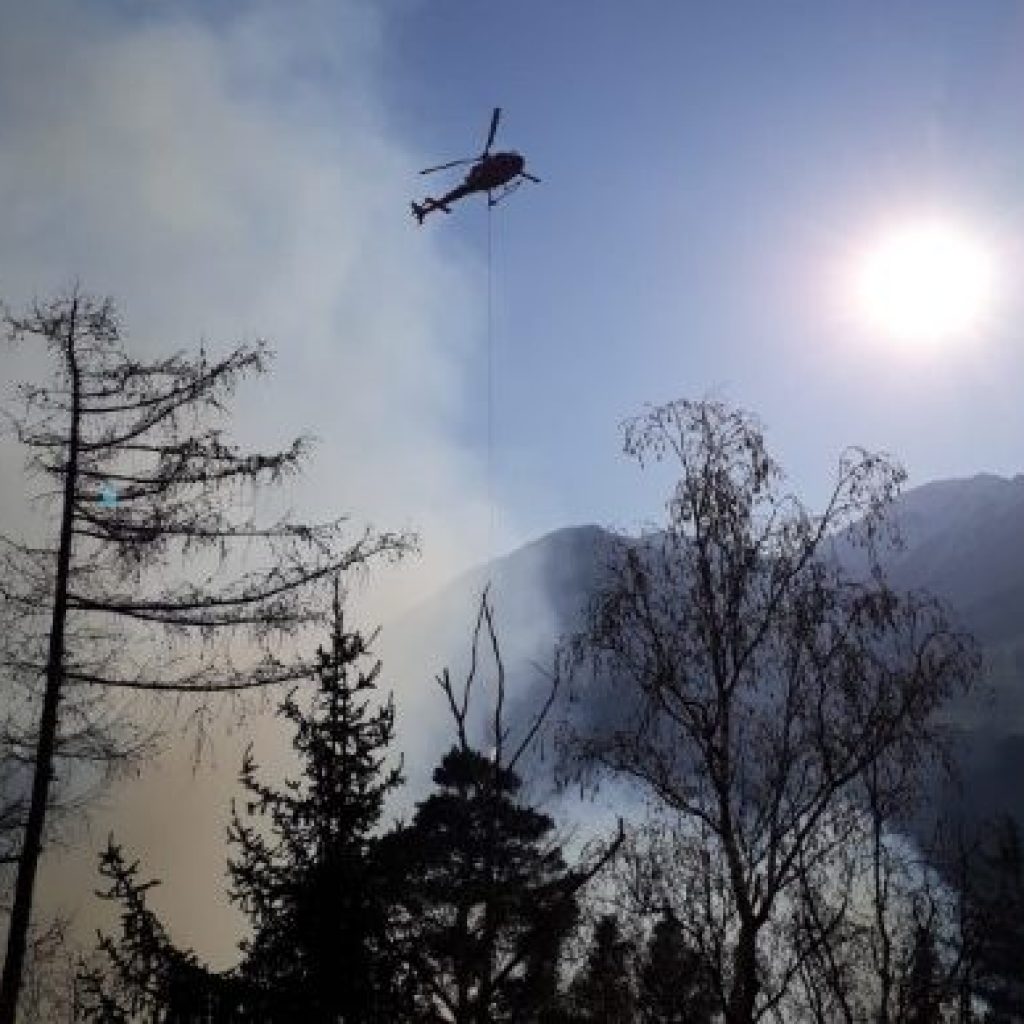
541 988
143 976
486 886
674 987
313 884
923 1000
995 915
488 897
143 484
604 992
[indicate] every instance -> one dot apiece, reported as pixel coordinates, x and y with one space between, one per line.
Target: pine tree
604 991
540 990
314 888
487 892
488 898
674 987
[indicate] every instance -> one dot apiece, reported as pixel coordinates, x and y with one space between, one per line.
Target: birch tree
757 681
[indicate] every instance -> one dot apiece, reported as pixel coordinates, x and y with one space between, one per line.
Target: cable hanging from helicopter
490 172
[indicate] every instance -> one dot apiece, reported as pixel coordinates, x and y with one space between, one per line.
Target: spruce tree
540 991
312 883
143 976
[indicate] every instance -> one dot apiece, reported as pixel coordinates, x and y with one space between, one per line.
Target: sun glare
926 283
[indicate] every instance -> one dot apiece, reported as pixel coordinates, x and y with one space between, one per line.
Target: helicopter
490 171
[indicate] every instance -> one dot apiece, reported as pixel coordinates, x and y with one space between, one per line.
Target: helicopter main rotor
472 159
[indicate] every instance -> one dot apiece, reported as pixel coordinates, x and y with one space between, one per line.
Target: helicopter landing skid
506 191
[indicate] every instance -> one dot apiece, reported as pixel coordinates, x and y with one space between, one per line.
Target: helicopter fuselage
494 171
489 173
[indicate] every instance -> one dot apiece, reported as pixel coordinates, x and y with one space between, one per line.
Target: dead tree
756 679
153 585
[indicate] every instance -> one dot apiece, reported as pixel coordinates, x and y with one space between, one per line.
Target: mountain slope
964 542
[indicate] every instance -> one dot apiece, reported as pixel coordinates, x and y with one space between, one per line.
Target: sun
927 282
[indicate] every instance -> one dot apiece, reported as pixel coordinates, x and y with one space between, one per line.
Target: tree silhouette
306 872
994 900
674 987
487 895
143 975
604 992
923 998
313 884
757 680
485 887
145 482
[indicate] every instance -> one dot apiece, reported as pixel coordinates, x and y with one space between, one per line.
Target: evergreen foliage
144 976
604 992
313 886
488 897
310 879
924 984
674 986
996 919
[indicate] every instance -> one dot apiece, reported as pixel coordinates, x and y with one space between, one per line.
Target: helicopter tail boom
420 210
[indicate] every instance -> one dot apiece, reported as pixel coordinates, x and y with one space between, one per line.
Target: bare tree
488 898
757 680
880 929
153 585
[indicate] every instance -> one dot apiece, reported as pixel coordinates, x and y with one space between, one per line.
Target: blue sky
230 169
705 167
227 169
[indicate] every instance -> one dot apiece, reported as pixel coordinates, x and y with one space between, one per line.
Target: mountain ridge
963 542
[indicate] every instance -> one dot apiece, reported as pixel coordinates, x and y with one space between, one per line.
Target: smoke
239 179
227 177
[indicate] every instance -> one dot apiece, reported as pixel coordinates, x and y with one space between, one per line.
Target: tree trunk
46 741
743 996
